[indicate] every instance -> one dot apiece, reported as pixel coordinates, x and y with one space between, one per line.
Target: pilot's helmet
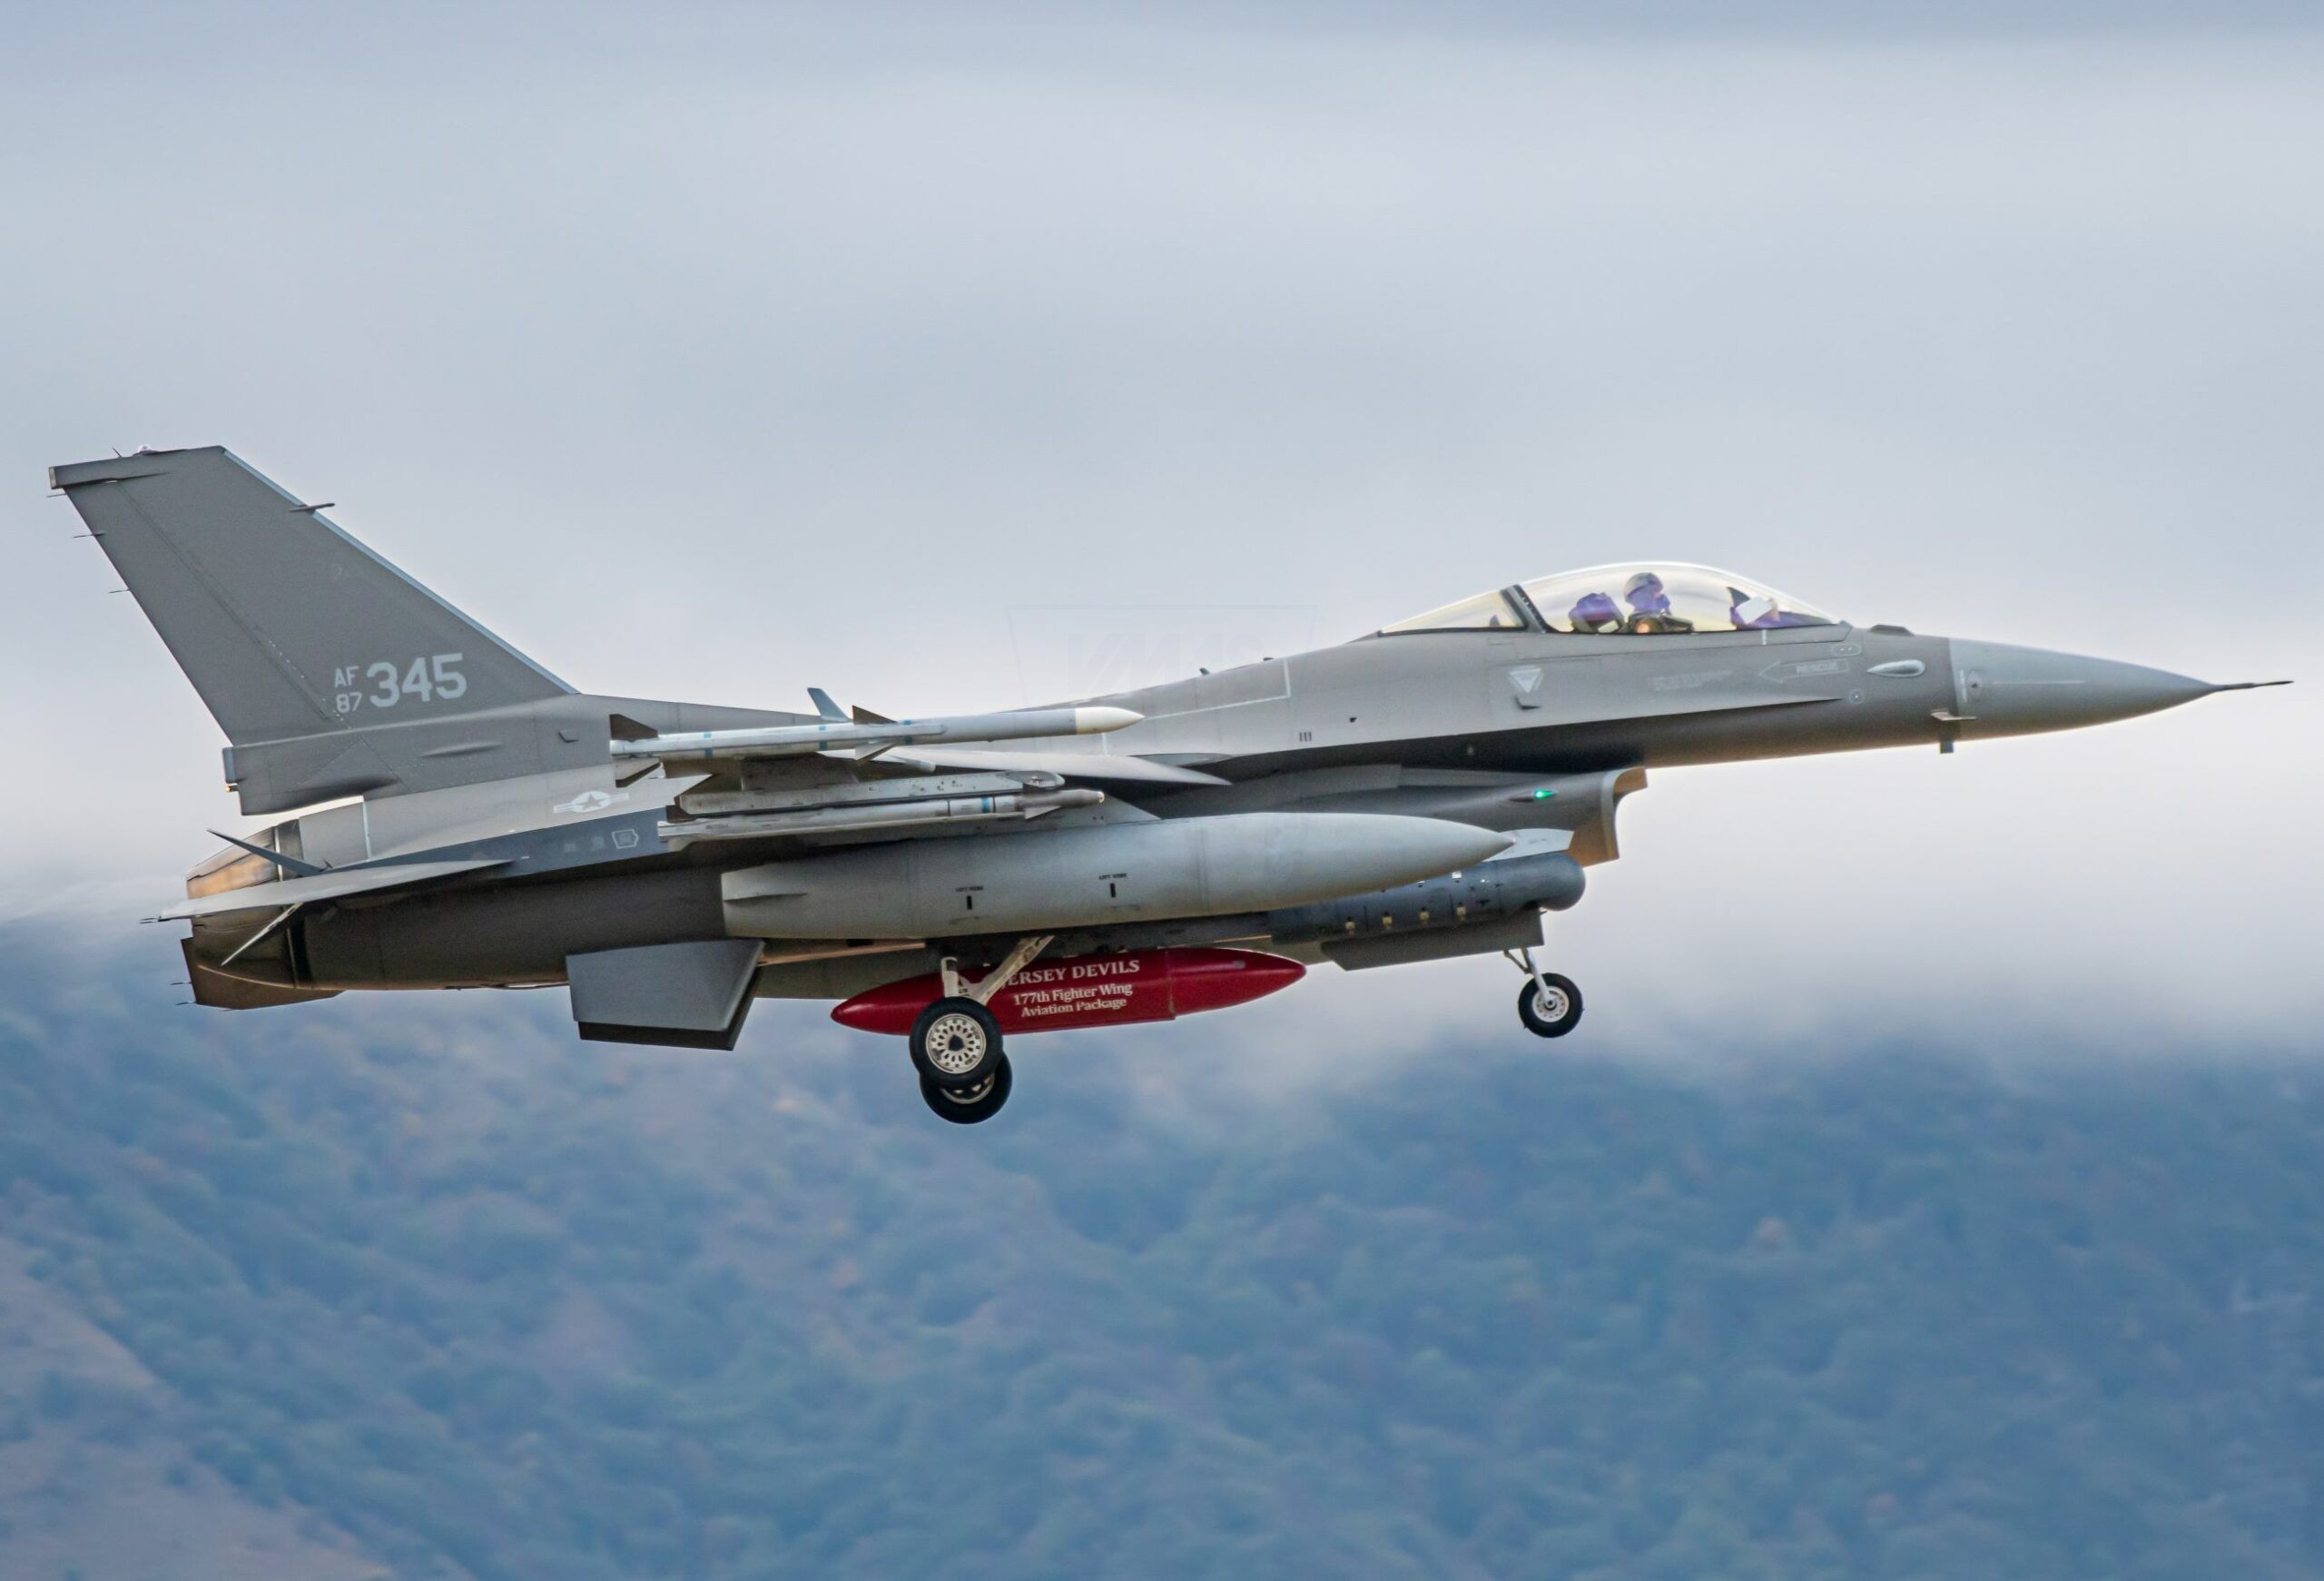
1594 610
1645 594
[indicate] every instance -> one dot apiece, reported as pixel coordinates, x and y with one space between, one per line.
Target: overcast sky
958 358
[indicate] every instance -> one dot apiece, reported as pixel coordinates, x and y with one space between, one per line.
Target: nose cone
2000 690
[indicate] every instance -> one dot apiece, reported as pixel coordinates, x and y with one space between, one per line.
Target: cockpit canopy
1635 600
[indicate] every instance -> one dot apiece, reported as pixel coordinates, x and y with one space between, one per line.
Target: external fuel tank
1089 877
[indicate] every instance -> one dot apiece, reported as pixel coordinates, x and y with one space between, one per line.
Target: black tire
1552 1019
955 1043
975 1106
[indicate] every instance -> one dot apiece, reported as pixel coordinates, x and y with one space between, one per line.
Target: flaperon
1423 792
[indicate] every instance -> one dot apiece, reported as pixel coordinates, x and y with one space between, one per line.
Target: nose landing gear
1549 1005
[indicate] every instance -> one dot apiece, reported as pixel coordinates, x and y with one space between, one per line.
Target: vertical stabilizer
285 624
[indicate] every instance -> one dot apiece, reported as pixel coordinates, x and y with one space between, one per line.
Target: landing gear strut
1549 1005
955 1045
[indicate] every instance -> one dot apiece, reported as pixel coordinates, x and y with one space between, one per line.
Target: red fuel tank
1093 991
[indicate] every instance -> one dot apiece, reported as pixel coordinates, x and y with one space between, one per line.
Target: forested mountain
364 1289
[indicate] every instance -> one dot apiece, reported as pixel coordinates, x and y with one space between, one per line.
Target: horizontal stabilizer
336 885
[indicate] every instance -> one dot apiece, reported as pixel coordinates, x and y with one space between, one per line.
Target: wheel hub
1550 1002
955 1044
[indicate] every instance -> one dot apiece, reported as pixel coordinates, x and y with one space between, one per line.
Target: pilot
1595 612
1649 604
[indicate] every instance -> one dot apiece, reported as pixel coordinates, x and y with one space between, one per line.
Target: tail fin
285 625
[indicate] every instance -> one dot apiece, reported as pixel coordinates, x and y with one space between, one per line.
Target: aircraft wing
336 885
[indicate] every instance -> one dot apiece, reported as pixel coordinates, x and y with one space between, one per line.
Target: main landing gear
955 1045
972 1105
1549 1005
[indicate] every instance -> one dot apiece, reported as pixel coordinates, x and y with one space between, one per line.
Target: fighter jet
449 814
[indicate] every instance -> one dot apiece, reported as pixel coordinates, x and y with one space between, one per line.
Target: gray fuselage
1500 730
